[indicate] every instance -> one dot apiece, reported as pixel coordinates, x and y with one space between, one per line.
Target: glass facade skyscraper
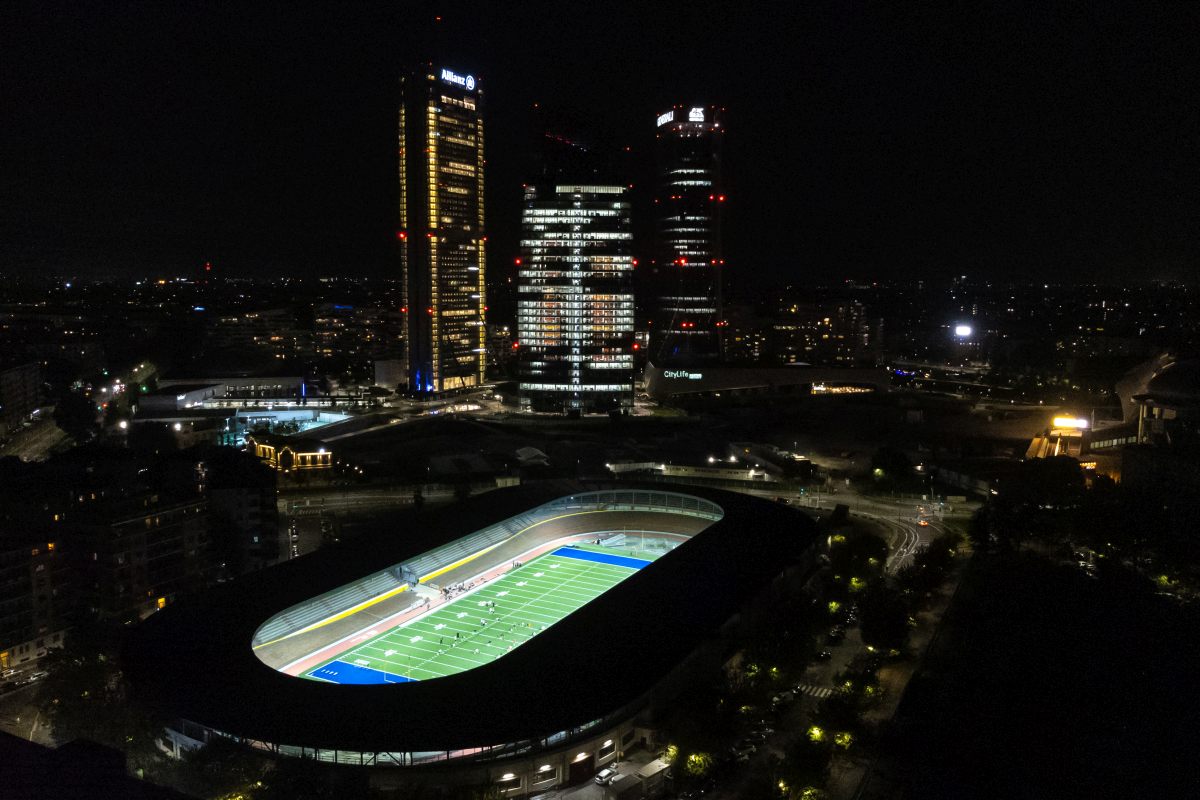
575 299
689 198
441 232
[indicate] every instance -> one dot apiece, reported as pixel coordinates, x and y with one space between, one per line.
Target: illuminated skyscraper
441 229
688 201
575 299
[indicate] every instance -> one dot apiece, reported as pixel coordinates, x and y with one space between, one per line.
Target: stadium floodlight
1070 422
962 331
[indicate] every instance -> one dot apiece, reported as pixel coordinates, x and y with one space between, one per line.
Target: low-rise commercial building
289 453
710 382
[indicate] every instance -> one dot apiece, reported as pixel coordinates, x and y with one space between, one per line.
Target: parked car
744 748
782 699
605 776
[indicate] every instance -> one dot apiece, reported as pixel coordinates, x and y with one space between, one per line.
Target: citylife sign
682 373
465 81
663 119
696 115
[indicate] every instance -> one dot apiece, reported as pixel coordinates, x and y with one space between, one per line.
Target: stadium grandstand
480 637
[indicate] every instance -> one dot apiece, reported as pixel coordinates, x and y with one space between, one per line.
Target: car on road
744 748
605 776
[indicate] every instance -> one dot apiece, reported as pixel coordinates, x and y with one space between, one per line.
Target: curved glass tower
689 198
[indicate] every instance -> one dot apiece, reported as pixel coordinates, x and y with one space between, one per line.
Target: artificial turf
483 625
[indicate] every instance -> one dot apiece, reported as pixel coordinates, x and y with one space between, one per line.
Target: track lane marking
393 592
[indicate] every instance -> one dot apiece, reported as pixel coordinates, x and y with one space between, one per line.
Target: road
36 442
353 499
19 716
897 517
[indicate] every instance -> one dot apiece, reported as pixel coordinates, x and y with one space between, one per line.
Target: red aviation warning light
402 235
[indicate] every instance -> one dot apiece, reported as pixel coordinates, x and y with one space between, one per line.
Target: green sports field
483 625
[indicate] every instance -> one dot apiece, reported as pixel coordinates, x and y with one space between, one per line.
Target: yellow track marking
393 592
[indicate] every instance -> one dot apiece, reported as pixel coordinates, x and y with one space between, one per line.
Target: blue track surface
602 558
341 672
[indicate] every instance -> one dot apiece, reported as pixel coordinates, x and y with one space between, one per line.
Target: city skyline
753 401
120 120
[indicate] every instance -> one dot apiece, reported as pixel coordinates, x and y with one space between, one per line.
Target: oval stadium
519 638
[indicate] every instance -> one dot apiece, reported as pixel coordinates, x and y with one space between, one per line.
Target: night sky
881 141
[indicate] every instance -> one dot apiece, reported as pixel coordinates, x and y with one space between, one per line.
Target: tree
1038 500
766 782
930 566
806 762
220 768
151 437
858 554
884 618
838 712
77 416
891 469
84 696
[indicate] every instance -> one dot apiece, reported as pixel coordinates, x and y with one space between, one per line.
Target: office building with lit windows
687 314
575 299
441 233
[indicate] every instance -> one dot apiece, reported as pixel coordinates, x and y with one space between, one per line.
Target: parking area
590 790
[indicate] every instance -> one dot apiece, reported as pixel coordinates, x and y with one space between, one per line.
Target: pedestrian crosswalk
819 692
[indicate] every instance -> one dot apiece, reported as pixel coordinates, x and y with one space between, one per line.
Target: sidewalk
849 777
